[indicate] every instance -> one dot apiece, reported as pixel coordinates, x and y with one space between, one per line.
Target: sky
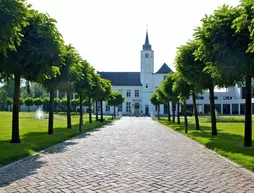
109 34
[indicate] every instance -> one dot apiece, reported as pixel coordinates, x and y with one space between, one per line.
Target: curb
213 152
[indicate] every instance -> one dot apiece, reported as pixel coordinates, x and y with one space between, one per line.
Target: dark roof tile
122 78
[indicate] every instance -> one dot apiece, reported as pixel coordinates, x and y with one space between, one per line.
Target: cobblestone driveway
132 155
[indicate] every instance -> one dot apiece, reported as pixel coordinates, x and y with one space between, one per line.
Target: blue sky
110 34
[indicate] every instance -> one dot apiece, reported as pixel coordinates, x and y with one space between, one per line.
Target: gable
164 69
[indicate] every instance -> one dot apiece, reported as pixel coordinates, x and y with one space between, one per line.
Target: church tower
147 65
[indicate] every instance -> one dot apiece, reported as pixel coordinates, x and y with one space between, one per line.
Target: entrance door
147 110
136 107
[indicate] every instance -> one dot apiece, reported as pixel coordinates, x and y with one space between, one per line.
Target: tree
102 90
161 96
182 87
195 70
38 102
81 85
115 99
29 102
9 102
33 59
13 18
226 39
97 90
68 75
167 88
154 100
37 90
104 94
190 67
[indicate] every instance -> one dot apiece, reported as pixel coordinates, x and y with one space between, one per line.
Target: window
128 106
146 85
128 93
147 55
215 98
199 97
120 107
136 93
227 98
107 108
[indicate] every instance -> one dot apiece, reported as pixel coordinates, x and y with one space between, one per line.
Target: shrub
29 102
9 102
46 104
38 102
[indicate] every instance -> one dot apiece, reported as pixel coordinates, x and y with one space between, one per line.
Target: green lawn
229 141
33 133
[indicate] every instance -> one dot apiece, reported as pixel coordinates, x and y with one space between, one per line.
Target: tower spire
147 45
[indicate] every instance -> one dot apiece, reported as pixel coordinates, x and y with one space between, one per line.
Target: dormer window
147 55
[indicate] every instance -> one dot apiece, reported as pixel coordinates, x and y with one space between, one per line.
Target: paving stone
131 155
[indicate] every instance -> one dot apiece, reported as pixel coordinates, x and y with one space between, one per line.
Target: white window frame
128 107
136 93
128 93
107 108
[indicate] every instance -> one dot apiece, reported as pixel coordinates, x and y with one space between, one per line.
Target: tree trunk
174 114
90 110
195 110
96 109
15 110
178 113
28 108
158 115
185 118
169 118
51 112
248 116
212 110
69 110
101 112
114 111
80 113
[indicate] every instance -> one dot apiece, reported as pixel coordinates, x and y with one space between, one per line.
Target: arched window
147 55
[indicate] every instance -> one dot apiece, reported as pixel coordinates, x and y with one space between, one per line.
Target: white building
137 87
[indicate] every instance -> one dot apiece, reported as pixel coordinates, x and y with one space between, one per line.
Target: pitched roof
122 78
164 69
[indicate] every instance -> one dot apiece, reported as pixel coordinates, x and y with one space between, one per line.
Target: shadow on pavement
19 171
36 141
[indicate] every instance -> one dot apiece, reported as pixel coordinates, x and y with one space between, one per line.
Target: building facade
137 87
